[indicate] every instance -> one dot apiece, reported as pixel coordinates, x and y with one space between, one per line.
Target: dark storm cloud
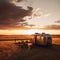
15 0
57 21
19 0
11 14
53 27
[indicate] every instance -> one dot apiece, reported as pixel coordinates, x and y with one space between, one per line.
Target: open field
10 51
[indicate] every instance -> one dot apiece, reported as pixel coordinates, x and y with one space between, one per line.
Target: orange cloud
52 27
57 21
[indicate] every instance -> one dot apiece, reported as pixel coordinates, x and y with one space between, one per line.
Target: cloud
48 14
57 21
52 27
11 14
13 1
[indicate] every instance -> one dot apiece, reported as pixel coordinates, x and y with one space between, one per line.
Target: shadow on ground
35 53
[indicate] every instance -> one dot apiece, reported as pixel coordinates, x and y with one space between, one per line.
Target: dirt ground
10 51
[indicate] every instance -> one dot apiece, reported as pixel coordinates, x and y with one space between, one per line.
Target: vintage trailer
43 39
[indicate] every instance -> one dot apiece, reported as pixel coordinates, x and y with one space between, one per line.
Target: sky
29 15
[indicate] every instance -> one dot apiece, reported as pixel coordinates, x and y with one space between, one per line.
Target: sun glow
18 32
27 32
31 31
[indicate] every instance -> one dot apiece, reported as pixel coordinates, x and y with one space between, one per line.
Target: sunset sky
29 16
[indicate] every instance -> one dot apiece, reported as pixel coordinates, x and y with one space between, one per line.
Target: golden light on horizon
29 32
18 32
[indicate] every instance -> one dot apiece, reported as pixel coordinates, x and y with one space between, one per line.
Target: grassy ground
38 53
10 51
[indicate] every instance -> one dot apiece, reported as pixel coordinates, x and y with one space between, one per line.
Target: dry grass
10 51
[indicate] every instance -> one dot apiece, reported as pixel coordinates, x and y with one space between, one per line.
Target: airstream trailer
43 39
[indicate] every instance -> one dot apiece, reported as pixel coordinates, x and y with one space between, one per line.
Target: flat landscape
10 51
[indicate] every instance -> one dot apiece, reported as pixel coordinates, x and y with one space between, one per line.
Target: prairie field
10 51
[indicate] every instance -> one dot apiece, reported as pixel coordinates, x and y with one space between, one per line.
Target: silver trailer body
43 39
